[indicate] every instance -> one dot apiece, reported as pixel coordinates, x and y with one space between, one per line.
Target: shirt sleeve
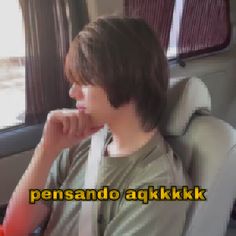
156 218
57 173
62 164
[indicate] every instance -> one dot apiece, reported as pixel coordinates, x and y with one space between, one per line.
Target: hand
65 128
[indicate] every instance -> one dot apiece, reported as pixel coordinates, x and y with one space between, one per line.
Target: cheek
89 97
98 96
99 102
96 99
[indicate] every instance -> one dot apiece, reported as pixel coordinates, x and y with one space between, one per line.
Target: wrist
45 150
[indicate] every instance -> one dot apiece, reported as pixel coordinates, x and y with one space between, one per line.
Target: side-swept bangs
123 56
75 66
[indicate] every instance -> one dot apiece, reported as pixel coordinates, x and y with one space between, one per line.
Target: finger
87 125
66 124
73 125
93 130
81 123
57 117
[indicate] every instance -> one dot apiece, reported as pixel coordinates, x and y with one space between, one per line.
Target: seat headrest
186 97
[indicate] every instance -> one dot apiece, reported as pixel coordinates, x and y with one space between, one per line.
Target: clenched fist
65 128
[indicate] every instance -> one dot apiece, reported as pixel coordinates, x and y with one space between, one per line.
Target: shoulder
68 157
161 167
80 151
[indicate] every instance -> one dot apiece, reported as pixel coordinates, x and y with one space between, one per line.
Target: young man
119 77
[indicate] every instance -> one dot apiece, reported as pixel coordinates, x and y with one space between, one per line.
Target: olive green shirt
151 165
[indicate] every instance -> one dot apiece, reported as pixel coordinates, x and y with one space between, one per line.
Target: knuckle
52 114
49 115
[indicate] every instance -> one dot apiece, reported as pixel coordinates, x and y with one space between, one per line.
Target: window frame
206 51
19 138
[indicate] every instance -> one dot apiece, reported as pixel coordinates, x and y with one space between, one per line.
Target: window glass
205 27
186 27
174 30
12 64
157 13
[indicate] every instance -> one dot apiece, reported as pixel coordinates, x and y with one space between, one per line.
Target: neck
128 135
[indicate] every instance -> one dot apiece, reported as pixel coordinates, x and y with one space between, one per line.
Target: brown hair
123 56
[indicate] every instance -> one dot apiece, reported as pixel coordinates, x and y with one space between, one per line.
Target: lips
81 108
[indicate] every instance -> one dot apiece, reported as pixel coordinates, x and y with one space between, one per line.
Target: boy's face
93 99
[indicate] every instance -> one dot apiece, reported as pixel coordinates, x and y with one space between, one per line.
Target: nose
75 92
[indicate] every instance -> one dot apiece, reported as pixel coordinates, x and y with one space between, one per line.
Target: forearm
21 216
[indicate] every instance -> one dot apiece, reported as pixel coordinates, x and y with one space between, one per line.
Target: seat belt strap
89 212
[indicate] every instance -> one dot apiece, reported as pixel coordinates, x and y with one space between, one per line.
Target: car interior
200 119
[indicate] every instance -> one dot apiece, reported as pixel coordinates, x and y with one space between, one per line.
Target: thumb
95 129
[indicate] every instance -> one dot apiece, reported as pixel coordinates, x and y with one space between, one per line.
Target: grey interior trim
20 139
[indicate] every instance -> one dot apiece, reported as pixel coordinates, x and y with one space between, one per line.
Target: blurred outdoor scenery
12 64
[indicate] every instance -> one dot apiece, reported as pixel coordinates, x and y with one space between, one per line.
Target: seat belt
89 212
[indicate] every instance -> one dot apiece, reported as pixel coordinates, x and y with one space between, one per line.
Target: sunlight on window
175 27
12 64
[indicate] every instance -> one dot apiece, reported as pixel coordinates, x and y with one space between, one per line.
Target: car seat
207 148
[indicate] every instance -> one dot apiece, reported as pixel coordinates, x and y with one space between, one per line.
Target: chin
98 121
